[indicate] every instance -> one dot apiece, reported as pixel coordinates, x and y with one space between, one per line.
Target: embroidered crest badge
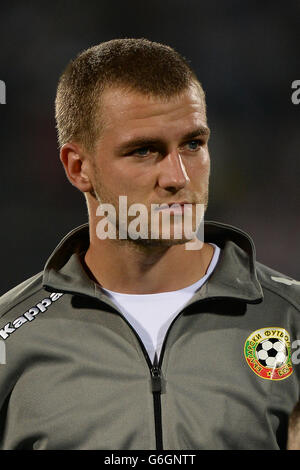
268 353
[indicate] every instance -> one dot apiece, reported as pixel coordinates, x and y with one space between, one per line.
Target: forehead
130 113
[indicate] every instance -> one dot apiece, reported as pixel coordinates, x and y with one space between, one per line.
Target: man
130 339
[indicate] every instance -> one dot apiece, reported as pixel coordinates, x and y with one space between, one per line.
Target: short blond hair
137 64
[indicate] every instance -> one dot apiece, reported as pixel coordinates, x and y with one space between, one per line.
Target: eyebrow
202 131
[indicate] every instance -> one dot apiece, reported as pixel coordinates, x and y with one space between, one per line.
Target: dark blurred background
246 55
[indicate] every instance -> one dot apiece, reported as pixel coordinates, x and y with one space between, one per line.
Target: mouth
175 206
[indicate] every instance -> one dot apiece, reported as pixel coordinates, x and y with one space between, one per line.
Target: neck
127 267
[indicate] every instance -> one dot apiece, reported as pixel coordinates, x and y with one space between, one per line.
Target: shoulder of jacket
20 293
280 284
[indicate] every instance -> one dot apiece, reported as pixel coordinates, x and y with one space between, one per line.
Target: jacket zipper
156 379
156 391
156 385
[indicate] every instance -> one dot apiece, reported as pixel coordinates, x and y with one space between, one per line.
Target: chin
161 242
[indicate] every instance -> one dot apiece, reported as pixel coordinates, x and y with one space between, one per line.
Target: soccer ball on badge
271 353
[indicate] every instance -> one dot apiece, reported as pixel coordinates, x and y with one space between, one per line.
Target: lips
179 203
169 204
178 206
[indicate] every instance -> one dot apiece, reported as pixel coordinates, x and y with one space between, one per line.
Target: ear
76 165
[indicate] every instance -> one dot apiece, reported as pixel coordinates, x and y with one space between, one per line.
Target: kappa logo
268 353
30 315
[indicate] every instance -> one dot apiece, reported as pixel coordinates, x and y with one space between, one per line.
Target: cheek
139 175
199 166
207 163
124 178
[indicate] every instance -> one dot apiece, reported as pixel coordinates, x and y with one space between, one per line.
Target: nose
172 173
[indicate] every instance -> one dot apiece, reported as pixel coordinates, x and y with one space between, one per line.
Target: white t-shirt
151 314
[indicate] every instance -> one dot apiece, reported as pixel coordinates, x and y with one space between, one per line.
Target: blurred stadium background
246 55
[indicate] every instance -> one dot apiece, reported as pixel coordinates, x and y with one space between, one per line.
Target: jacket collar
234 276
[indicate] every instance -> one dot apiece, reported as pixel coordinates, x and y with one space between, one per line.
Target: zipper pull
156 379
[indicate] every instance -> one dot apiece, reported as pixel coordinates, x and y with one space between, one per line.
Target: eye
143 151
194 145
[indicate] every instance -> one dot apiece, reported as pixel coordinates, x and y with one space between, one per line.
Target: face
154 151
